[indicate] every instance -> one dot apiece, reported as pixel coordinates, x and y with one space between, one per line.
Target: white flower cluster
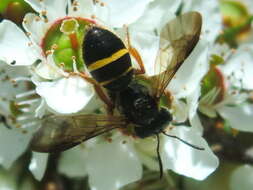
35 83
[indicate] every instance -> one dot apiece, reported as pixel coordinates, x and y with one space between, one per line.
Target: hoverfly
108 60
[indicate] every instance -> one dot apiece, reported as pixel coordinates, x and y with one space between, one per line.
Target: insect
108 60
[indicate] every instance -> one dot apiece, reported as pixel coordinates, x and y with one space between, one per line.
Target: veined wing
178 39
58 133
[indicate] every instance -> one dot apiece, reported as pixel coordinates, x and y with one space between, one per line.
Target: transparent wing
178 39
58 133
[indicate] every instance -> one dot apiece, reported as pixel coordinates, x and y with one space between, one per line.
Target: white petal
35 26
48 70
241 178
14 45
54 9
122 12
34 4
186 160
192 102
239 117
239 67
113 165
13 144
147 45
188 77
210 14
38 164
196 124
84 9
156 15
11 89
179 112
73 162
66 95
146 150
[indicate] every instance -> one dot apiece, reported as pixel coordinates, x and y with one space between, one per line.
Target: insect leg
99 91
135 54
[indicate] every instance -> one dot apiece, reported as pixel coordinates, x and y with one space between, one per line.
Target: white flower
236 74
210 11
61 92
29 46
121 162
18 103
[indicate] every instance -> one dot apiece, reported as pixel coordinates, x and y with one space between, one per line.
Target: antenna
159 156
183 141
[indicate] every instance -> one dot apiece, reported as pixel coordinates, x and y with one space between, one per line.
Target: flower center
64 39
214 81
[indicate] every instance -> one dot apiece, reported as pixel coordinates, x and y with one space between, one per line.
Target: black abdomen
107 59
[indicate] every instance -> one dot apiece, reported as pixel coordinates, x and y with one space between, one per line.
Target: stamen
22 79
75 3
25 117
25 94
48 52
27 102
30 124
37 19
25 110
75 70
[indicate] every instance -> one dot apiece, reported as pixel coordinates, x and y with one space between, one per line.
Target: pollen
54 46
37 19
233 50
46 20
93 16
48 52
43 13
75 3
62 64
28 33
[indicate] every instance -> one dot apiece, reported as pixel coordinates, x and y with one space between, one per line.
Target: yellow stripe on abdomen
103 62
115 78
